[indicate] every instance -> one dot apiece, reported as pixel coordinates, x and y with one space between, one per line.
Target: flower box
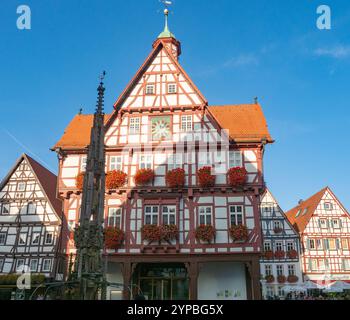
205 233
151 232
268 254
143 177
281 279
113 237
175 178
205 178
239 233
269 278
292 278
115 179
279 254
79 181
292 254
237 176
169 232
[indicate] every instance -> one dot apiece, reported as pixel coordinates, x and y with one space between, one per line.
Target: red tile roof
301 220
245 122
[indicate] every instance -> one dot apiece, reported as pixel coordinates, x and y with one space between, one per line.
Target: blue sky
233 51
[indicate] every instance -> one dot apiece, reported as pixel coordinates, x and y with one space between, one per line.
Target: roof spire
100 99
166 32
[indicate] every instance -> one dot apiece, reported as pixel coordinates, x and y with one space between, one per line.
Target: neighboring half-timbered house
280 264
30 219
324 227
162 122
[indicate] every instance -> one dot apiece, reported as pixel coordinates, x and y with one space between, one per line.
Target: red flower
237 176
151 232
279 254
292 254
281 279
205 233
292 278
239 233
143 176
268 254
115 179
169 232
113 237
175 178
205 178
79 181
269 278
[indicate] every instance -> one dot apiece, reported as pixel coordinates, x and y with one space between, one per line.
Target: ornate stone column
193 272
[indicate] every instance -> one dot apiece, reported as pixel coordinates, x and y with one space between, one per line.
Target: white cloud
242 60
336 52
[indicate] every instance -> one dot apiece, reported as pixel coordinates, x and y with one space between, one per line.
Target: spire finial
100 98
166 32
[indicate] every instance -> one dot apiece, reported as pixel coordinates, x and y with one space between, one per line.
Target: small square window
150 89
115 163
5 208
21 186
328 206
34 265
134 125
36 238
172 88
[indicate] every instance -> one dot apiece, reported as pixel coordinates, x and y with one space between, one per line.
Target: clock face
160 128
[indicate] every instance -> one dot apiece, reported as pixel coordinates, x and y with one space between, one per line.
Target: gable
160 70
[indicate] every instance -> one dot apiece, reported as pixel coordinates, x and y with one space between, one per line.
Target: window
267 246
36 238
150 89
146 162
290 245
319 244
204 159
46 265
186 123
172 88
34 265
346 264
169 215
2 238
49 238
313 264
323 223
115 163
205 215
267 210
328 206
1 264
279 245
281 291
22 239
311 244
236 215
114 217
174 161
21 186
277 225
332 245
151 214
291 270
326 244
268 270
5 208
345 244
134 125
280 270
335 224
270 292
321 265
83 163
19 263
235 159
31 208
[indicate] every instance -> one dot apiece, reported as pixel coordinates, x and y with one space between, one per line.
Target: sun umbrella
312 285
337 286
294 288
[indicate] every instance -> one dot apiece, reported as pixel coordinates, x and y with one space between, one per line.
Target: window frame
152 215
21 183
116 216
235 156
186 119
52 239
33 235
268 269
171 216
205 215
23 263
4 234
134 127
174 84
148 160
236 216
150 85
30 265
7 206
43 265
118 165
174 161
279 245
279 269
291 269
329 207
267 246
20 239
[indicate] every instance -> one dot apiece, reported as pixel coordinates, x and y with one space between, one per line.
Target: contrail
27 149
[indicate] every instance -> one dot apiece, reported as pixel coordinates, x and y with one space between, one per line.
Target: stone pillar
253 279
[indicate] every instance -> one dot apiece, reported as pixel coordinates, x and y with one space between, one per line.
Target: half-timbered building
162 122
30 220
324 227
280 264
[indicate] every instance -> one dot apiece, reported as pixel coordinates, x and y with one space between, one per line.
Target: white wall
114 274
222 281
